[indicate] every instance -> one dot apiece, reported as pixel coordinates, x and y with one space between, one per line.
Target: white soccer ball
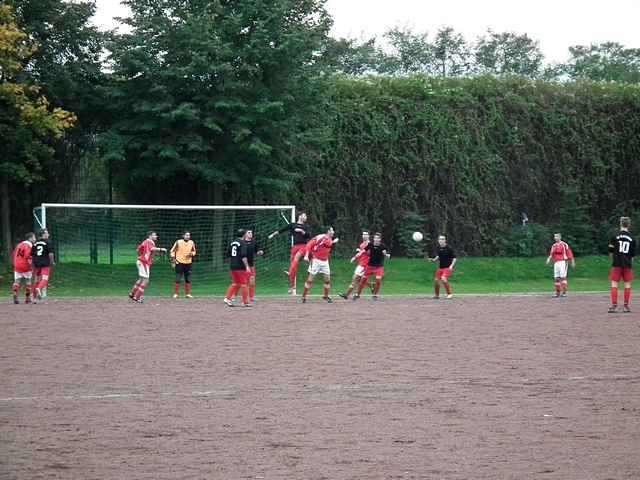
417 236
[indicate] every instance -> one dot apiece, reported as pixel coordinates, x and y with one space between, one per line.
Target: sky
556 24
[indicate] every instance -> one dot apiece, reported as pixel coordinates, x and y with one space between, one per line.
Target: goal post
96 243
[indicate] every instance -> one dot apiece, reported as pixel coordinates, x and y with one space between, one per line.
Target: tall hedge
470 155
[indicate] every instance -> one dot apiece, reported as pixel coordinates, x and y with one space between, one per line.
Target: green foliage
529 240
508 53
608 61
409 223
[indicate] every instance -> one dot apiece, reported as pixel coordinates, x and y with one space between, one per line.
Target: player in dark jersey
622 249
253 251
447 258
301 234
43 259
238 269
377 253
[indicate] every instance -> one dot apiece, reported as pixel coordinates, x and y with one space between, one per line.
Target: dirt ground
471 388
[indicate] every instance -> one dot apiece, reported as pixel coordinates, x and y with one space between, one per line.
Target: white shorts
359 271
560 269
26 275
143 270
319 266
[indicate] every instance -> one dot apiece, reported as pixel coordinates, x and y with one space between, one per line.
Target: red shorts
40 271
376 271
301 247
239 276
621 273
443 273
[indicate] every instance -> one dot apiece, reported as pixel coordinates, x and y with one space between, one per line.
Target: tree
508 53
411 52
27 123
352 57
609 61
450 53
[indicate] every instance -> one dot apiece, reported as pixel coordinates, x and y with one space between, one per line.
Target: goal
96 244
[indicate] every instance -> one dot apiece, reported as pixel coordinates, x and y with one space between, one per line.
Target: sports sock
436 288
42 284
614 295
447 287
558 286
245 294
327 288
627 296
565 286
363 282
307 287
177 288
376 289
293 270
231 291
134 289
15 288
252 291
187 288
139 292
27 292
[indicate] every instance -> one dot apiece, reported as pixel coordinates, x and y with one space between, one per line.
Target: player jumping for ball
319 250
622 249
362 256
239 269
447 258
22 267
42 259
182 254
377 254
560 254
146 250
301 234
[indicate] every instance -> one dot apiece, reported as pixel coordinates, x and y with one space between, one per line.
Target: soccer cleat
563 294
327 299
175 295
436 297
253 301
556 295
228 302
449 296
131 295
138 300
247 305
613 309
355 297
15 300
304 299
27 300
292 291
626 309
286 272
374 298
188 295
38 294
343 295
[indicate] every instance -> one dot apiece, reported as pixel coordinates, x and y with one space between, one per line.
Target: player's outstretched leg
134 289
307 286
447 287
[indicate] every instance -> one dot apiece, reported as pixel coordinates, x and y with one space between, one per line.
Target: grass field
403 276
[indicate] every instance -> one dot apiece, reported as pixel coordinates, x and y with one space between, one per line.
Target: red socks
614 295
187 288
376 289
447 287
293 270
177 288
327 287
436 288
627 296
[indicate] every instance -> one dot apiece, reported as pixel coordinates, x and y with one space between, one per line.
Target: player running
447 258
561 254
622 249
42 259
253 251
22 268
319 248
362 256
301 234
239 269
182 254
377 253
146 250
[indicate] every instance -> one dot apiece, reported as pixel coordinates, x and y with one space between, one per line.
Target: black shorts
183 268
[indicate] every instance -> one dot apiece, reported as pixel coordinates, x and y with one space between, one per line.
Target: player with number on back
42 258
239 269
146 250
377 254
362 256
560 254
447 258
622 249
319 250
182 254
22 268
301 234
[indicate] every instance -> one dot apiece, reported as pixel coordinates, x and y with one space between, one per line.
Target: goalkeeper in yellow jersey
182 254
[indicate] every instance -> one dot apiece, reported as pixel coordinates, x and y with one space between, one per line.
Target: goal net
96 245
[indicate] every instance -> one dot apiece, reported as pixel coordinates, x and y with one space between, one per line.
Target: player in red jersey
561 253
622 249
42 259
362 256
300 234
22 268
447 258
377 253
319 249
146 250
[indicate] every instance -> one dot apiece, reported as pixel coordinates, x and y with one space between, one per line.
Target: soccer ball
417 236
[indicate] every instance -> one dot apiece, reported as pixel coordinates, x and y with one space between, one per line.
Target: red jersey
561 251
145 252
320 247
363 255
22 257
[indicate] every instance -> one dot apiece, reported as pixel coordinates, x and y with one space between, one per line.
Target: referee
182 254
